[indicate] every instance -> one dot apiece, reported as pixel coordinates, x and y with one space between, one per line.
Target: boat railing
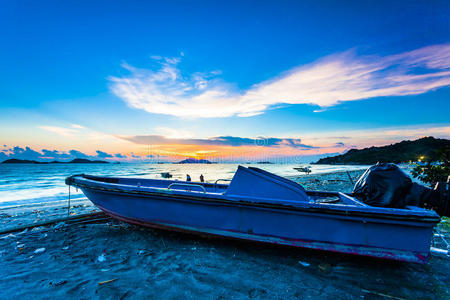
220 179
350 200
188 185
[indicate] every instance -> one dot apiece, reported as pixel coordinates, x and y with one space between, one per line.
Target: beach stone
57 283
256 292
325 267
39 250
101 258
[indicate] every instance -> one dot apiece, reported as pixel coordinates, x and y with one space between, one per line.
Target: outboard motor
387 186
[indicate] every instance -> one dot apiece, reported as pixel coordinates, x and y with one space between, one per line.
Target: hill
74 161
194 161
87 161
21 161
429 148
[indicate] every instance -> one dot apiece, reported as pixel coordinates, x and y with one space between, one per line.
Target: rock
59 282
59 225
325 267
305 264
101 258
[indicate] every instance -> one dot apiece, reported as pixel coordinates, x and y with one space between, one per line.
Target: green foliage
434 173
431 174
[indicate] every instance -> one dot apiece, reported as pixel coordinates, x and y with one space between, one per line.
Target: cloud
77 131
61 130
3 156
55 154
339 144
101 154
326 82
135 156
78 154
218 141
21 153
377 136
78 126
118 155
49 155
173 133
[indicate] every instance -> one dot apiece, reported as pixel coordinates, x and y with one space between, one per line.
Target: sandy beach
113 260
112 97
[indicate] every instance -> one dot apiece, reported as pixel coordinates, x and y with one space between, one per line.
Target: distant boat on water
306 170
166 175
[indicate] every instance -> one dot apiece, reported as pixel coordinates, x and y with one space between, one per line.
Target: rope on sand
350 177
83 218
68 206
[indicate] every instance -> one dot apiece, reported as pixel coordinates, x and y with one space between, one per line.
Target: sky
222 80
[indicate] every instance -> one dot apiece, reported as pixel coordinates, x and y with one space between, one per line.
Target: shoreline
18 214
111 259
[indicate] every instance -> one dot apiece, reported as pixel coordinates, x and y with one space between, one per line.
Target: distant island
194 161
74 161
425 149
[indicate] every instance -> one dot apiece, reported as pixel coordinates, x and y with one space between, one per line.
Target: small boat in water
260 206
166 175
306 170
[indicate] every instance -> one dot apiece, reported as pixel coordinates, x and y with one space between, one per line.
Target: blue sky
95 75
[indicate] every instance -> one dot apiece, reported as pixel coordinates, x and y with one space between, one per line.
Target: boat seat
257 183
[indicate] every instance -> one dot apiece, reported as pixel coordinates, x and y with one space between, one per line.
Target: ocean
43 183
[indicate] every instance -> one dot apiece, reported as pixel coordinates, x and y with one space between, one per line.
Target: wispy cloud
75 130
326 82
60 130
377 136
232 141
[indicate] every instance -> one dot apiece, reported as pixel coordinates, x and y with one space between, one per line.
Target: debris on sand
107 281
7 236
59 225
57 283
381 294
303 263
101 258
325 267
39 250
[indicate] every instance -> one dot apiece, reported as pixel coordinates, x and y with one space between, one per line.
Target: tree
434 173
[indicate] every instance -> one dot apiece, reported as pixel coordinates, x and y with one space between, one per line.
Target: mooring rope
442 238
68 207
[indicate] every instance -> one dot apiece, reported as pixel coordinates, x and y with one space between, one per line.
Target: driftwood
83 218
107 281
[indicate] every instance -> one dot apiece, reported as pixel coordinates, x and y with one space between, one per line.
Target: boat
260 206
166 175
306 170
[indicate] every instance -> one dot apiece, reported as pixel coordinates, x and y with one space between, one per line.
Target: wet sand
72 260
